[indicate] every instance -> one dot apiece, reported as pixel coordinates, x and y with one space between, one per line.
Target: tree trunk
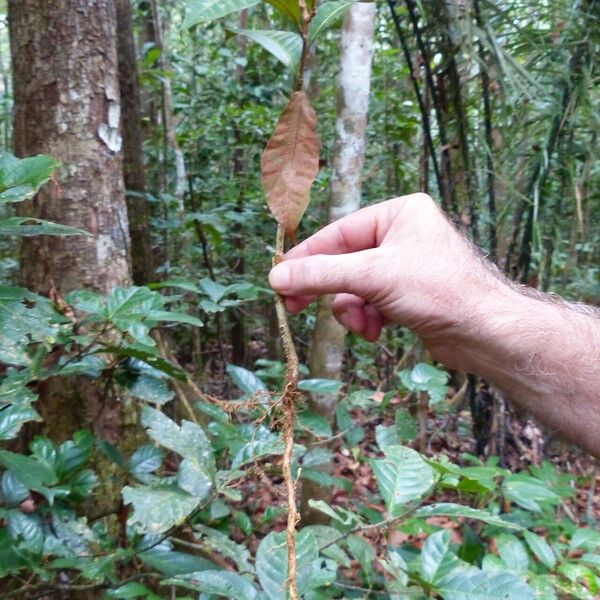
67 105
328 343
142 262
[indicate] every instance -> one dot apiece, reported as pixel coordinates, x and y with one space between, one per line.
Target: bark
328 343
67 104
142 261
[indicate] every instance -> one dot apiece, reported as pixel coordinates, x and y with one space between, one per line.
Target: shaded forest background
136 360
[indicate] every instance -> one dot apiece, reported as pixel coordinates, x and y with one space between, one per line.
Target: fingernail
279 277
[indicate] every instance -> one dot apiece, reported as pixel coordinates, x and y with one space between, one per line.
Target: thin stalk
288 398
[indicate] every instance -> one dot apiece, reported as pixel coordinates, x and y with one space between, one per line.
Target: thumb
325 274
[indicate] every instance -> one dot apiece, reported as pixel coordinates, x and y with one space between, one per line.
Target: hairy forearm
545 354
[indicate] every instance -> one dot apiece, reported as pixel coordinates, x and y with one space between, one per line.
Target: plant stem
288 397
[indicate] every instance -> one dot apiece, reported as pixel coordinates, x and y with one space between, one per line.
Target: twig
290 393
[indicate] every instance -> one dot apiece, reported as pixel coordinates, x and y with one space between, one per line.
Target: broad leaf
205 11
437 560
220 583
245 380
288 8
272 567
13 491
327 14
32 473
290 163
171 563
221 543
285 46
145 461
513 553
151 389
256 449
448 509
27 530
403 476
541 548
320 386
197 470
475 584
28 226
13 417
315 423
157 509
24 318
528 492
21 178
426 378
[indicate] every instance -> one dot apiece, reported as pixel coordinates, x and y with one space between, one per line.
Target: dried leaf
290 162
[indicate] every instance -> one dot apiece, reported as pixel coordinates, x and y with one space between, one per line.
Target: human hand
400 261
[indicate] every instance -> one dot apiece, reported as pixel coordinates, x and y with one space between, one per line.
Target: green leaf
272 567
20 179
353 434
151 389
32 473
324 535
288 8
13 491
12 418
24 318
133 589
157 509
221 543
245 380
436 558
320 386
402 476
386 436
475 584
346 517
513 553
256 449
285 46
426 378
406 426
541 549
215 291
448 509
174 317
27 226
196 472
327 14
220 583
528 492
363 552
82 483
171 563
146 354
315 423
205 11
72 454
27 530
588 539
144 461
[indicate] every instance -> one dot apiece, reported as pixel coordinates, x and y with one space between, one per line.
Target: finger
294 304
374 323
349 310
324 274
358 231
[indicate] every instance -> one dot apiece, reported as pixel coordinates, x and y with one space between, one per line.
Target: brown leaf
290 162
